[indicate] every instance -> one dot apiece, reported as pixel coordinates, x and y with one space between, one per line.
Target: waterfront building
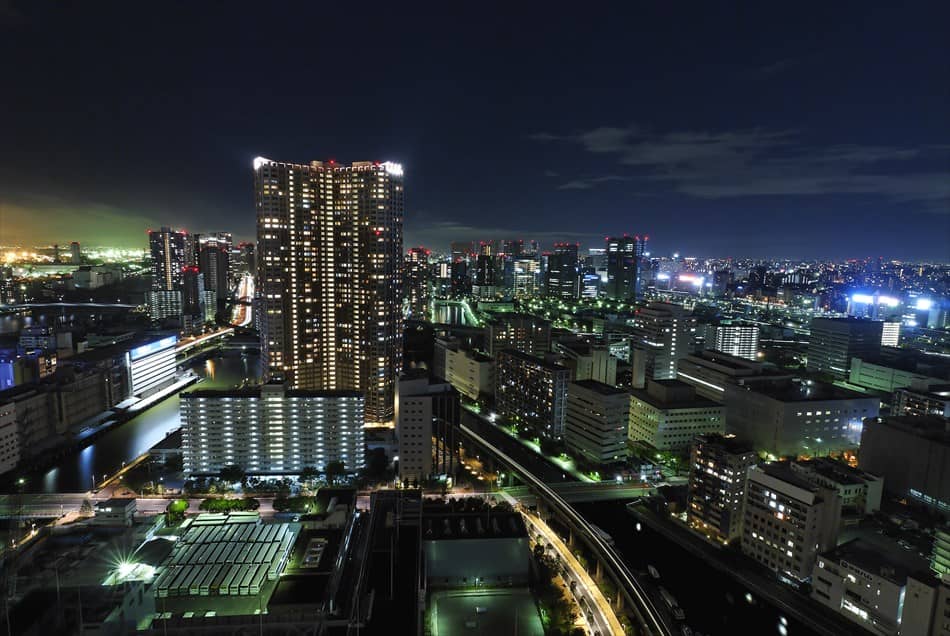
718 469
859 490
271 429
329 278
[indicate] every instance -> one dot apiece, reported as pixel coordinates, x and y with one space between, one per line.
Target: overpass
650 619
578 492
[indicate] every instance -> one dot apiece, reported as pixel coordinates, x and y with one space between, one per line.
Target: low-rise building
271 430
470 372
9 438
733 338
878 376
474 549
912 454
114 512
860 491
596 424
668 414
876 588
787 520
711 372
929 399
588 361
798 417
718 469
522 332
531 391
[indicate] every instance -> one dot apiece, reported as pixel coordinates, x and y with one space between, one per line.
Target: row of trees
234 474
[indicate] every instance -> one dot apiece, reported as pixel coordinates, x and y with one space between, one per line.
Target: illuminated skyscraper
167 249
417 282
214 261
329 255
622 267
563 274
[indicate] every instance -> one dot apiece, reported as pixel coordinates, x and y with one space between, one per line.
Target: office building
923 399
711 372
718 468
835 341
878 586
859 490
798 417
587 361
75 253
271 430
461 284
912 454
167 251
596 421
940 556
470 372
732 338
522 332
487 281
787 520
668 414
531 391
329 277
151 365
417 283
562 274
525 277
662 334
622 267
214 261
9 437
890 334
427 420
886 377
193 293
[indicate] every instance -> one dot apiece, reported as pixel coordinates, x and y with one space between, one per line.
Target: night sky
806 131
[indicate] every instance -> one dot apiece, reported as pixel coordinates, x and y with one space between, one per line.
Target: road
575 492
646 607
602 620
243 313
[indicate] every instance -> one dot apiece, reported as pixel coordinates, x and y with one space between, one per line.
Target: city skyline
622 133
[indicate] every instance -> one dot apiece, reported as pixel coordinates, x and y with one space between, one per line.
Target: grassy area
221 504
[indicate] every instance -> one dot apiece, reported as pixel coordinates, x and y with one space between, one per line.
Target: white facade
663 332
787 521
873 589
165 303
596 421
737 340
470 373
668 415
152 365
271 430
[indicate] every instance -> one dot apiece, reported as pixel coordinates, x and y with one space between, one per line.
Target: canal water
714 603
75 472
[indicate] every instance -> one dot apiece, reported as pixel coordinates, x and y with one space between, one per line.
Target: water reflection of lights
209 368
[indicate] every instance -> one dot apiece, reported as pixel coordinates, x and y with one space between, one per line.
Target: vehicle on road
609 540
653 572
673 606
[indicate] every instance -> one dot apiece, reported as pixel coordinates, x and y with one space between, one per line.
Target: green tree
86 508
334 470
233 474
309 474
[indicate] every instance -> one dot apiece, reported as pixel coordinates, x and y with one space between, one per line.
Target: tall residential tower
329 257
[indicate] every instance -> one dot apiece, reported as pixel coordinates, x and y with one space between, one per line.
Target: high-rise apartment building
523 332
531 391
271 429
417 282
167 248
718 469
736 339
214 261
329 258
835 341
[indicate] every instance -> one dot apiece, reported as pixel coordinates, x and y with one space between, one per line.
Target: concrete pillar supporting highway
598 572
618 603
570 539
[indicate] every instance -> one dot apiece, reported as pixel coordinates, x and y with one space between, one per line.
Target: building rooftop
932 427
805 391
255 392
782 471
835 470
730 443
476 525
599 387
672 394
881 557
527 357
